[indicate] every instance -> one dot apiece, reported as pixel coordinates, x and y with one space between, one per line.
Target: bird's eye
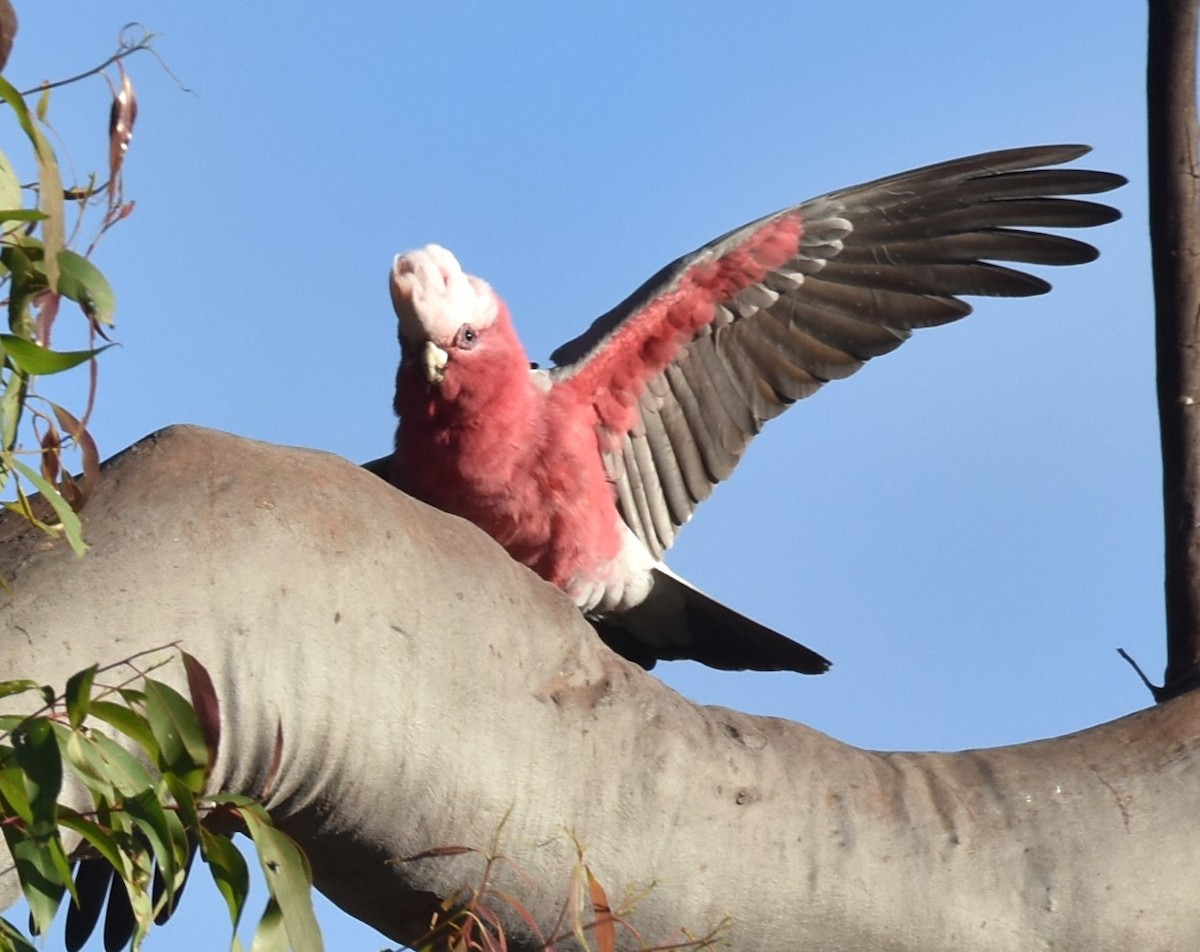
466 338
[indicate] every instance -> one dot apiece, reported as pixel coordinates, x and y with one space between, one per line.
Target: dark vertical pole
1175 250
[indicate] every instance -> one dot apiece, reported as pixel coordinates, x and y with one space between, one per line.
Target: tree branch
1175 248
430 692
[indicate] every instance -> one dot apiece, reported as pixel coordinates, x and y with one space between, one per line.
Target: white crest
433 297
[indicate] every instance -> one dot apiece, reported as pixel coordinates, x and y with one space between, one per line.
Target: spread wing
684 372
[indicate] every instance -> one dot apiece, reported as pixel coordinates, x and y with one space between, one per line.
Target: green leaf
10 186
173 879
13 940
43 104
137 885
18 686
229 872
25 257
132 696
236 800
54 848
289 880
50 190
41 361
72 528
27 280
151 820
12 404
21 214
95 835
38 874
90 766
83 282
130 723
79 694
37 754
14 795
271 934
124 770
181 746
185 801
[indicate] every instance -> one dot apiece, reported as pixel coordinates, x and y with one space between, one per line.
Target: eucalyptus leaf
97 837
126 772
21 214
39 361
72 527
84 283
79 694
289 878
90 766
36 752
18 686
10 189
50 190
271 934
130 723
181 746
229 872
38 875
185 801
12 938
9 722
151 821
14 798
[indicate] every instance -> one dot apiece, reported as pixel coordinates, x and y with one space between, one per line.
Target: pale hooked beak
433 361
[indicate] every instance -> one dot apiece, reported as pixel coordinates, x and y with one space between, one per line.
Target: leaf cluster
39 271
143 757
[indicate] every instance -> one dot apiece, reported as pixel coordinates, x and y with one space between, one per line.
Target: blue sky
969 527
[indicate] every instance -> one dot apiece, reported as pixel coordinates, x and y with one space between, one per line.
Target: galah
586 471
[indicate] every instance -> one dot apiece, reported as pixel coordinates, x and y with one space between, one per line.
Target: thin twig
1153 688
124 50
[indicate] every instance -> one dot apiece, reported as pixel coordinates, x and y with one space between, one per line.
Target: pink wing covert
640 348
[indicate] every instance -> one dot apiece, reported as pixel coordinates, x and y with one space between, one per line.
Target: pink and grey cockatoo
585 472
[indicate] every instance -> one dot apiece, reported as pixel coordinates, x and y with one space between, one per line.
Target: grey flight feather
874 262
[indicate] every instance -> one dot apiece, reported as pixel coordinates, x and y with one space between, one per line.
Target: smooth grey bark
431 692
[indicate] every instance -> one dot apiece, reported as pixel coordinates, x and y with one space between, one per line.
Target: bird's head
452 324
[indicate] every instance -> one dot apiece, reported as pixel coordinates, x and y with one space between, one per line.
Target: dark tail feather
678 622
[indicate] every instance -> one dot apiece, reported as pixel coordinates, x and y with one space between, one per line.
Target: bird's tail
679 622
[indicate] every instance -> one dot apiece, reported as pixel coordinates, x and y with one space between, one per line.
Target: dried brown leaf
121 118
204 700
604 928
46 304
436 852
51 444
71 491
88 451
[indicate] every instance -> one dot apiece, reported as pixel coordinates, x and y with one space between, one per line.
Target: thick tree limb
431 692
1174 137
